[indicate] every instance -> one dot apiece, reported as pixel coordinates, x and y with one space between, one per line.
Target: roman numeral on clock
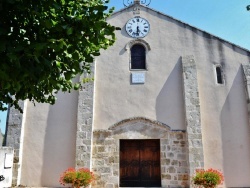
137 27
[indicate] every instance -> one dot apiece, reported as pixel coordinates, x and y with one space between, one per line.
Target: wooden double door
140 163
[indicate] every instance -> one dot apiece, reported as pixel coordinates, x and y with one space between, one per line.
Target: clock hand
137 30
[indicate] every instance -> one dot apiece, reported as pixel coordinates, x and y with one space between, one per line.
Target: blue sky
3 121
227 19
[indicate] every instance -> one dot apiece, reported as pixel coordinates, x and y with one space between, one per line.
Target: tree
44 44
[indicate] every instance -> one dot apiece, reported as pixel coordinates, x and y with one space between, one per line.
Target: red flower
78 178
208 178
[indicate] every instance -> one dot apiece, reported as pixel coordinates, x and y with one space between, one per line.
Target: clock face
137 27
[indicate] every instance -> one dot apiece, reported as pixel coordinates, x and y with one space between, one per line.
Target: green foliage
77 178
86 80
43 43
208 178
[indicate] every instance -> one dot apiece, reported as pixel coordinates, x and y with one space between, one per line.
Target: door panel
140 163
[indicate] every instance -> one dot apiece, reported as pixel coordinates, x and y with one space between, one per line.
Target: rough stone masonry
192 111
84 121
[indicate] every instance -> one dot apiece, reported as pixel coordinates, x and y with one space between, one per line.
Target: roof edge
219 38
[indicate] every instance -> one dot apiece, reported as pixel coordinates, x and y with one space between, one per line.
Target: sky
227 19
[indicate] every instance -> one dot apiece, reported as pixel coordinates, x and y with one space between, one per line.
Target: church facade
164 100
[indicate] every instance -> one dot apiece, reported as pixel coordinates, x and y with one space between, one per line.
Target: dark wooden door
140 163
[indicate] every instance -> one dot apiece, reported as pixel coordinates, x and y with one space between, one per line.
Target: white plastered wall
49 141
224 118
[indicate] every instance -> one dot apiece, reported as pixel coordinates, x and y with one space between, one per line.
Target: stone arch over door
173 151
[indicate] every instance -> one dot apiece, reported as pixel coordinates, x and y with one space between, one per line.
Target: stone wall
1 138
192 111
173 150
84 121
13 137
174 160
246 71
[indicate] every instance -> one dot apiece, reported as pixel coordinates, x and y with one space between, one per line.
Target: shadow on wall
170 101
235 135
60 138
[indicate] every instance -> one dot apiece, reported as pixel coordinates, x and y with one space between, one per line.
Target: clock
137 27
